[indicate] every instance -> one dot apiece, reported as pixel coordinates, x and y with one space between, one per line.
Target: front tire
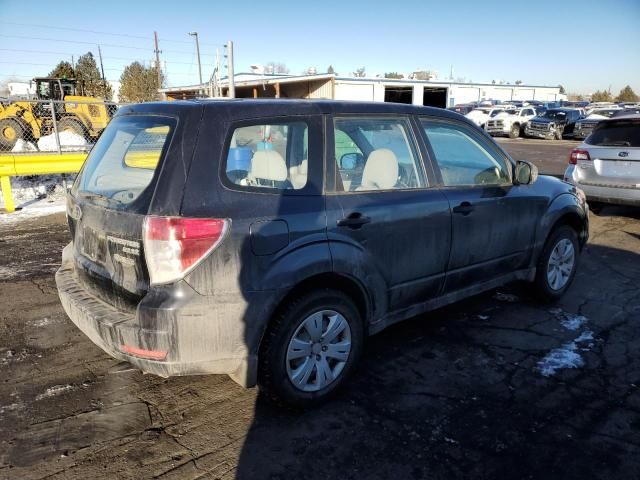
11 130
557 264
515 131
310 349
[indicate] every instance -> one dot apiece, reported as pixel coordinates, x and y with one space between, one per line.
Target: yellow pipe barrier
35 164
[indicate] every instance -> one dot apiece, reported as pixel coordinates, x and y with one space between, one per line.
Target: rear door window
376 154
122 163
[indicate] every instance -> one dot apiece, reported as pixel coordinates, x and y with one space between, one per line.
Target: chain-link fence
31 126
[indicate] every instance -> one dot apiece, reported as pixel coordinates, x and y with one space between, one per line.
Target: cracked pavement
457 393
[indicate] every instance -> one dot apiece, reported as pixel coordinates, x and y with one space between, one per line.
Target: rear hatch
108 204
614 155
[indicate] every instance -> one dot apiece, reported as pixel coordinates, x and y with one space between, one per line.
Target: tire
596 207
11 130
515 131
558 134
73 125
547 286
277 369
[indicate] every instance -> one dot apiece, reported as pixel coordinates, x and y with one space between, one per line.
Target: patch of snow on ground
55 391
506 297
14 407
566 356
36 193
571 321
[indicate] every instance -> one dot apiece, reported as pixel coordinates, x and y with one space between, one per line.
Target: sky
583 45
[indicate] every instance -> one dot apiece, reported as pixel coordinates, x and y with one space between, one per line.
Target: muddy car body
266 239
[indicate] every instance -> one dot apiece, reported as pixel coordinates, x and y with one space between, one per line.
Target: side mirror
350 161
526 173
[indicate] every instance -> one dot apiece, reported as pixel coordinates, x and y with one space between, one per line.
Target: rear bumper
618 194
183 332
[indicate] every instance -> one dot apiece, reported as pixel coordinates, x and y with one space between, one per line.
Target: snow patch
55 391
11 356
566 356
69 142
33 210
572 321
506 297
14 407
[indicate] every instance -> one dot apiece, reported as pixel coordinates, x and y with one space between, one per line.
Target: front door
381 207
493 220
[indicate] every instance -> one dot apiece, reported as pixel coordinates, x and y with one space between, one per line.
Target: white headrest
381 170
268 165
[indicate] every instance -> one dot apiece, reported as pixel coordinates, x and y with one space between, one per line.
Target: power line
128 35
95 43
67 54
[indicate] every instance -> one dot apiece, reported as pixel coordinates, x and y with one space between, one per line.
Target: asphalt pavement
497 386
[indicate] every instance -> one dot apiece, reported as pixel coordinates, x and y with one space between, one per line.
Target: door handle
465 208
354 220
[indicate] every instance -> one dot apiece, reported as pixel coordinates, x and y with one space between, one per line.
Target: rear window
616 134
122 163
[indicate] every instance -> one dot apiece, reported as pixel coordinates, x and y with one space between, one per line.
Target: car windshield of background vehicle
616 134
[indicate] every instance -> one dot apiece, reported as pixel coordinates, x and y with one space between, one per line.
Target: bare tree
360 72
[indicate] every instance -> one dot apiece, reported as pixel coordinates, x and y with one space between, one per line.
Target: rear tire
72 125
557 264
515 131
596 207
302 367
11 130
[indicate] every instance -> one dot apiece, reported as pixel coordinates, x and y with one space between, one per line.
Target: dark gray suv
267 239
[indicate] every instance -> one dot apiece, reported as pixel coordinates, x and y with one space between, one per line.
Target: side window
376 154
269 156
463 158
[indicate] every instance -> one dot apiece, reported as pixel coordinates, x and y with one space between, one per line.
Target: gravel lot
469 391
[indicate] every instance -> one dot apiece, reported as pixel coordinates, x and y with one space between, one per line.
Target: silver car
606 166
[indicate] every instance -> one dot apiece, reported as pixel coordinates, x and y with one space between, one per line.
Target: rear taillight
577 154
173 246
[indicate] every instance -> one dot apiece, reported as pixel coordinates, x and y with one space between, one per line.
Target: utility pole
229 55
157 52
104 80
195 34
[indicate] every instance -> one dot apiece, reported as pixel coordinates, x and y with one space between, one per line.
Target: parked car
463 109
510 122
607 164
585 125
480 115
221 237
554 123
626 112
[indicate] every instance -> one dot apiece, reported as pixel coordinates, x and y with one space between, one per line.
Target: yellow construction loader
28 120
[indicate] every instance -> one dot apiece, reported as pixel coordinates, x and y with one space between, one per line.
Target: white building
434 93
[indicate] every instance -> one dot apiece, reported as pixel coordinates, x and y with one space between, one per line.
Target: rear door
493 220
381 209
614 150
112 195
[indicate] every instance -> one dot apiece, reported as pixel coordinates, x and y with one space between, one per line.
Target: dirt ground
474 390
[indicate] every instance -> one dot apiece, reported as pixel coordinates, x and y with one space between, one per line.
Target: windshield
606 113
122 163
622 133
554 114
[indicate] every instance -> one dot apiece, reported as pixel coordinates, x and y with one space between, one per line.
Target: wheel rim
318 350
9 133
560 264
